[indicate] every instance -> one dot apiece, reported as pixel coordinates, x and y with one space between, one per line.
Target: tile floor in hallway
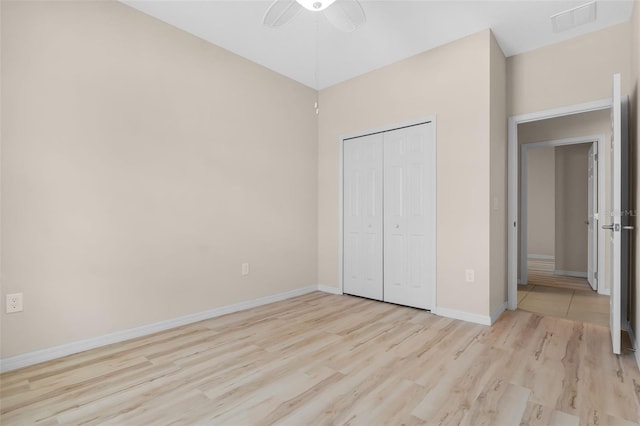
587 306
561 296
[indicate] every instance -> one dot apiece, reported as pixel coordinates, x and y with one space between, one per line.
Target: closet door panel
362 219
409 220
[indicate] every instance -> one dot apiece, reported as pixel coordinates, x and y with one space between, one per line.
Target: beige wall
571 208
634 300
541 201
568 126
452 82
498 170
141 166
568 73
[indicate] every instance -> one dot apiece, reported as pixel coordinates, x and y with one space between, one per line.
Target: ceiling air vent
572 18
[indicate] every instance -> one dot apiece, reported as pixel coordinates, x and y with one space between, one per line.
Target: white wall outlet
470 275
14 303
245 269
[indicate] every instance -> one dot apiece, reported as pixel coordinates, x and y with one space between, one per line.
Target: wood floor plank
327 359
540 272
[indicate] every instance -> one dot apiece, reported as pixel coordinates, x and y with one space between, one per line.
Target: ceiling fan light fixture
315 5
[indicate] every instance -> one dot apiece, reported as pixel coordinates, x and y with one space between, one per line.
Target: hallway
561 296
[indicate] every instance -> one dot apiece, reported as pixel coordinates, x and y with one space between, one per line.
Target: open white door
618 203
592 208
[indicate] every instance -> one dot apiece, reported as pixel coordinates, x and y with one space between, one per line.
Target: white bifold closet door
362 218
409 216
389 216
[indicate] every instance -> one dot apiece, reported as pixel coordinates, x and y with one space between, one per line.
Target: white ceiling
309 50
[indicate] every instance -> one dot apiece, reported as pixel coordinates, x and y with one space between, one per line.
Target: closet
389 215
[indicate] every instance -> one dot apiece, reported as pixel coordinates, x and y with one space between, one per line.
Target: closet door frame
433 128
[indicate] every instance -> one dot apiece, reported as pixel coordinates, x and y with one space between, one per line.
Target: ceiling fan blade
280 12
346 15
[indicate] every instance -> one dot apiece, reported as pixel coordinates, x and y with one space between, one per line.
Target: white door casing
592 208
513 190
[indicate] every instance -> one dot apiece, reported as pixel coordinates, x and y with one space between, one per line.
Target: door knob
614 227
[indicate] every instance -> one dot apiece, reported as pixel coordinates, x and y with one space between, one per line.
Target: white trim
340 215
524 244
425 119
36 357
634 343
599 141
495 315
570 273
512 183
329 289
463 316
541 256
565 110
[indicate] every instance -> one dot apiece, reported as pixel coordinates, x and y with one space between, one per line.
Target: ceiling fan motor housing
315 5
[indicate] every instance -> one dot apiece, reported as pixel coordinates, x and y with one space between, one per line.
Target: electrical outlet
245 269
14 303
470 275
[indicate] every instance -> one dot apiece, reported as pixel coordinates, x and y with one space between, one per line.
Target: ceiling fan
346 15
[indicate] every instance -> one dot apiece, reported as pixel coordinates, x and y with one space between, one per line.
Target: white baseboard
328 289
570 273
495 315
634 343
36 357
31 358
604 291
541 256
463 316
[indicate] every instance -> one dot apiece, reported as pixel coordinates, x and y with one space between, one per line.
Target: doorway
559 214
618 226
559 206
561 256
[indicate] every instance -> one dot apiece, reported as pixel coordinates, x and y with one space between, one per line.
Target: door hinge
595 157
595 275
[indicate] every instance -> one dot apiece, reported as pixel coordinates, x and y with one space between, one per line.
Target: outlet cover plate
14 303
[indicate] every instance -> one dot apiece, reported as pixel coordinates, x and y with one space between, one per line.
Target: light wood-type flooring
561 296
328 359
540 272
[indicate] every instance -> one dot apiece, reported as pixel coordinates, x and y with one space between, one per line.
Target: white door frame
593 217
387 128
524 149
512 183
